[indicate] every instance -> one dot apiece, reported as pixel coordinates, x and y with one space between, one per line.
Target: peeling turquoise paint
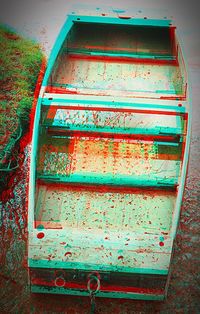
81 266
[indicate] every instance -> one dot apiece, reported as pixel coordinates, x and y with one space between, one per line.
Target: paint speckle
60 282
161 243
40 235
68 254
40 227
120 257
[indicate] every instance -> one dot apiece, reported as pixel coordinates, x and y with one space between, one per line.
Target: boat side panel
55 51
118 20
120 295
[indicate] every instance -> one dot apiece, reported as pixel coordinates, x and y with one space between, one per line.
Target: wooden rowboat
109 158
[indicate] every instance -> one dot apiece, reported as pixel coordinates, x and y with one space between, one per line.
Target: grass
20 62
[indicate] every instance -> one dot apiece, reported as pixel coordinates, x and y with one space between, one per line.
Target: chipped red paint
120 257
40 235
68 253
59 90
59 282
177 97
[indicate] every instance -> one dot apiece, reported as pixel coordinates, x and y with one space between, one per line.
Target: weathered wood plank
74 207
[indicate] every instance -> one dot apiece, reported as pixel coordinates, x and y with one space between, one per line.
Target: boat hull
109 158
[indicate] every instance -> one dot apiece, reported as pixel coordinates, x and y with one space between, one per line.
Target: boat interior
87 175
111 168
119 60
